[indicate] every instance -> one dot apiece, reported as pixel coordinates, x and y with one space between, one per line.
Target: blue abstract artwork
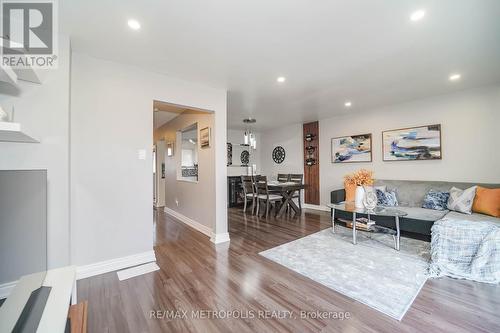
416 143
349 149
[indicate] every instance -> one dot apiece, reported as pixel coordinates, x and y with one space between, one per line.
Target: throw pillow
372 188
461 200
487 201
386 198
436 200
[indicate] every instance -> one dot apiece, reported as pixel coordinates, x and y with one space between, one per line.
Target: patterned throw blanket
466 247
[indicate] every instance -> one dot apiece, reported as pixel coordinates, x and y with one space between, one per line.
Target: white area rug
371 272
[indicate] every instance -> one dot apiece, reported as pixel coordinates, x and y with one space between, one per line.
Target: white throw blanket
466 247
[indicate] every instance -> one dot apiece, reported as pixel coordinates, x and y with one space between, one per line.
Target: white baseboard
214 238
107 266
220 238
6 289
316 207
190 222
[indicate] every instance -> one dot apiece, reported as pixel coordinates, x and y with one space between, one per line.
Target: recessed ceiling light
417 15
348 104
281 79
134 24
249 120
455 77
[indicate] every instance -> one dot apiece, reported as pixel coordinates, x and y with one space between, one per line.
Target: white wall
236 137
195 200
111 189
160 182
43 110
290 138
469 123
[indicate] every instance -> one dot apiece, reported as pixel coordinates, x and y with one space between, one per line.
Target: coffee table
378 211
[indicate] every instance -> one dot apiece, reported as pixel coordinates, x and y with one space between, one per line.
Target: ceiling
368 52
161 117
164 112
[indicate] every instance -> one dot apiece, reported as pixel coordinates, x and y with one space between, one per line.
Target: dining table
287 190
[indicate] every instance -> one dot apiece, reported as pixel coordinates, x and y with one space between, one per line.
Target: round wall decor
229 153
245 157
278 154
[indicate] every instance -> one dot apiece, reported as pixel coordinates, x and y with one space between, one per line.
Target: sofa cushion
424 214
475 217
461 200
412 192
487 201
436 200
388 199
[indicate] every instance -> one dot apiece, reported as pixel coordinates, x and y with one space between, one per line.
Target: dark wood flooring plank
197 275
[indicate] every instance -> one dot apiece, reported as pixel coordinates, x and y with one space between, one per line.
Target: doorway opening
184 166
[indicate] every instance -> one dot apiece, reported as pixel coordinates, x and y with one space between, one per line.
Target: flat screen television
23 239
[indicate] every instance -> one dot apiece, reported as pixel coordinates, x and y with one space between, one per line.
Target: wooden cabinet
311 162
233 191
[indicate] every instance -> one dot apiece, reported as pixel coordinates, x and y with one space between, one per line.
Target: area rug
371 272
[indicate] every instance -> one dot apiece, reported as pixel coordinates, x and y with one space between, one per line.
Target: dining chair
297 178
248 192
283 177
263 195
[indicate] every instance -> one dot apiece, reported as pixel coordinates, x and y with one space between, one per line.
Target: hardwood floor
196 275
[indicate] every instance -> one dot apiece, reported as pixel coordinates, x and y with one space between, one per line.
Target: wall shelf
8 75
12 75
55 312
239 144
13 132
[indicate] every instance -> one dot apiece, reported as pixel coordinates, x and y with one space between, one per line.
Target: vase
370 200
3 115
350 190
359 196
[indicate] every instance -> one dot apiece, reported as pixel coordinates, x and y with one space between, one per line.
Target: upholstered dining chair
248 192
297 178
283 177
264 196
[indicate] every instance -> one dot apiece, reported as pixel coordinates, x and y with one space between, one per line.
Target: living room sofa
410 194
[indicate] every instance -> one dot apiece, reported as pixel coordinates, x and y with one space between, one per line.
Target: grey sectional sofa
410 194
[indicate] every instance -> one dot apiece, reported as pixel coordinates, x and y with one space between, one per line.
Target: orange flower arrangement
359 178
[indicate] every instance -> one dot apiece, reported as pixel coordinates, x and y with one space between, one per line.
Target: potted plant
353 184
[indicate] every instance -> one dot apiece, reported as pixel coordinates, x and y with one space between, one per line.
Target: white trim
74 293
190 222
128 273
316 207
6 289
214 238
220 238
102 267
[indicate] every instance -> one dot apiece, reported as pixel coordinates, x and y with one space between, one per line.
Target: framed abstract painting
205 137
352 149
414 143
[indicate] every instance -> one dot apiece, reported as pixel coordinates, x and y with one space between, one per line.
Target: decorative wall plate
245 157
309 137
310 161
229 153
278 154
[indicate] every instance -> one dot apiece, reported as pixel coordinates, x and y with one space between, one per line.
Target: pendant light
249 136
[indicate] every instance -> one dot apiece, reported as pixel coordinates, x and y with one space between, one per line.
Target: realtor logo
28 33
